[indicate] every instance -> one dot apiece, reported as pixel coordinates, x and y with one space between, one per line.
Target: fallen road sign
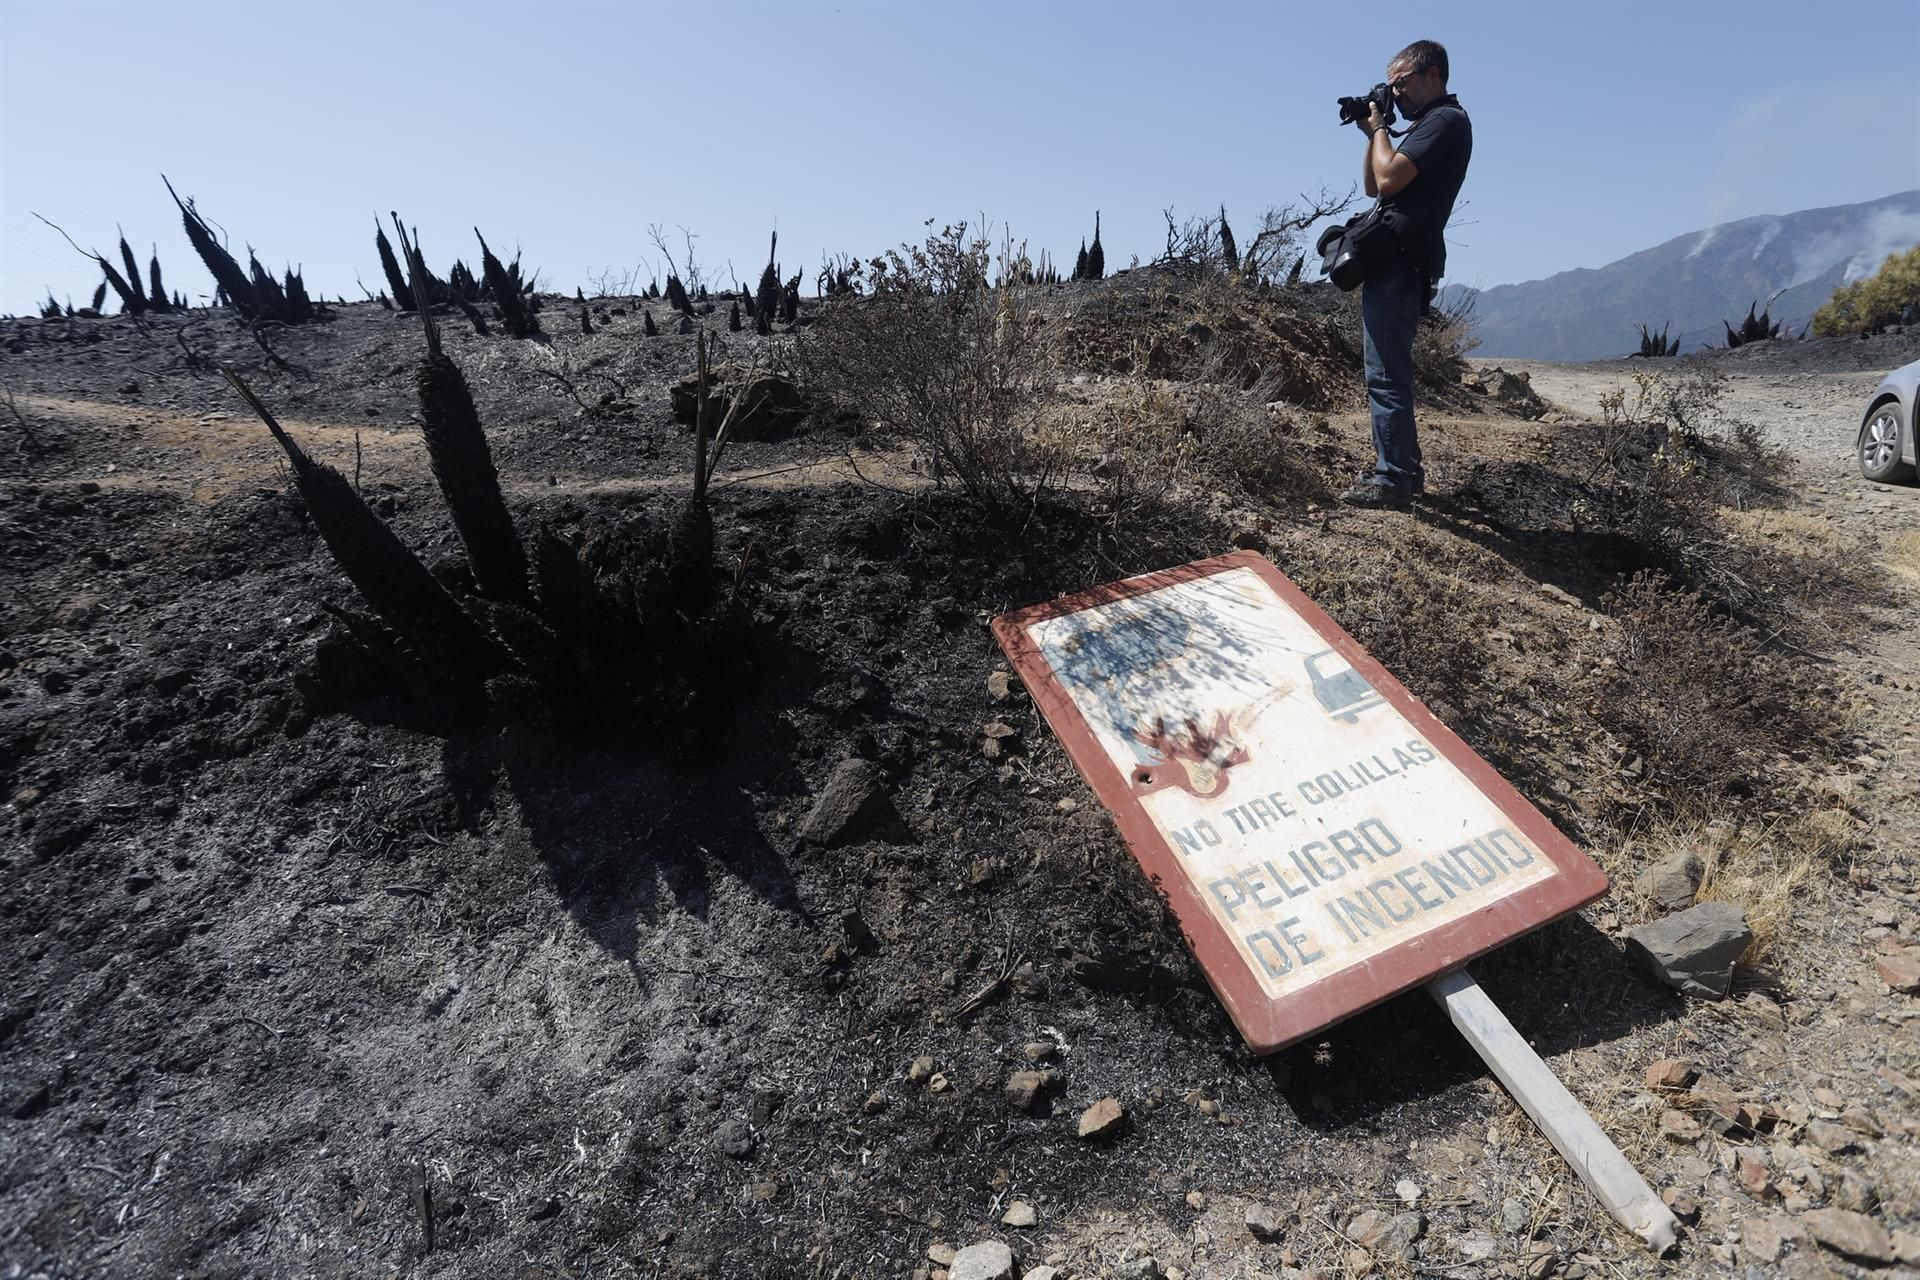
1323 839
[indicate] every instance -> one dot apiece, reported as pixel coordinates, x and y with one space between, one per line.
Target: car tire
1879 447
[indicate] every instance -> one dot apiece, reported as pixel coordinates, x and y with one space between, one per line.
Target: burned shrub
1701 701
1442 340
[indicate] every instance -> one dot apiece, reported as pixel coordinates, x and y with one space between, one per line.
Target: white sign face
1329 828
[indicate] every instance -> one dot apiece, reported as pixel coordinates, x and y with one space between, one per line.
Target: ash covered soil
280 958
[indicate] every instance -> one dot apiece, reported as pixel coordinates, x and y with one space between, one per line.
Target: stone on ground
988 1260
1693 950
1853 1234
853 805
1671 882
1102 1119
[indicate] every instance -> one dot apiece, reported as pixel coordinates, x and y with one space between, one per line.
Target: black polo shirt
1440 143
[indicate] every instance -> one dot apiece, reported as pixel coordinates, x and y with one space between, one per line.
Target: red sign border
1266 1023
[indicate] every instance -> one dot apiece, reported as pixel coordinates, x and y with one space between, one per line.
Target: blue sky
566 129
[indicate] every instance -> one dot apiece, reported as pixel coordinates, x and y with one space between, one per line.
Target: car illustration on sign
1344 692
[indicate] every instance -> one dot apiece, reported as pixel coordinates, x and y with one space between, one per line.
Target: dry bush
1443 340
1140 444
1903 555
1667 463
1702 703
1417 612
940 353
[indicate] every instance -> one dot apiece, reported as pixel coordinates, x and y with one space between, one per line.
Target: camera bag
1351 252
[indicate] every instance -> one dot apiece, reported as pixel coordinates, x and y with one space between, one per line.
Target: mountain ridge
1786 264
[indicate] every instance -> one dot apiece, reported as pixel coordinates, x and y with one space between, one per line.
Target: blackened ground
273 943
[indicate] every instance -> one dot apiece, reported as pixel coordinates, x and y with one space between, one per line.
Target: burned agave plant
563 632
253 292
506 290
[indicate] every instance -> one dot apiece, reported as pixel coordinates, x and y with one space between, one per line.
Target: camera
1354 110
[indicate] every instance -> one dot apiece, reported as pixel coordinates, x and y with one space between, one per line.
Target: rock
1019 1215
771 408
1668 1074
1386 1236
735 1139
1831 1138
1000 685
920 1070
1754 1177
988 1260
876 1103
1680 1126
1408 1191
1102 1119
1861 1121
1026 1089
1266 1223
766 1103
1143 1267
1762 1239
1856 1193
1477 1246
1042 1273
1853 1234
853 805
1765 1011
998 738
1039 1050
1514 1217
1906 1247
1684 1206
1901 972
1671 882
1694 950
940 1253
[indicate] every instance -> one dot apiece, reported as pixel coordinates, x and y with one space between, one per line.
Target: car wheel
1880 446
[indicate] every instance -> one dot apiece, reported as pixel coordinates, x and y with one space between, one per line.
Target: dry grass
1204 328
1903 555
1769 869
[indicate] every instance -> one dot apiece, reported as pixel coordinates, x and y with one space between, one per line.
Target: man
1416 186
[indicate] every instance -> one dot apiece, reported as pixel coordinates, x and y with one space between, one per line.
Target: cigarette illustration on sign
1324 840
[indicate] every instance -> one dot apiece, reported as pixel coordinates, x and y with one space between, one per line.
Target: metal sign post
1325 842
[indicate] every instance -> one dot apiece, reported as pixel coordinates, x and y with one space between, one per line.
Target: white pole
1566 1123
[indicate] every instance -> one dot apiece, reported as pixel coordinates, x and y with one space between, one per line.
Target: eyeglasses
1401 81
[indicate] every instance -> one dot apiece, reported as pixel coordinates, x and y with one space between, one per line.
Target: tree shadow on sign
1566 986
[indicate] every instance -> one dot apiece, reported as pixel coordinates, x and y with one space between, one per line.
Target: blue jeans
1390 305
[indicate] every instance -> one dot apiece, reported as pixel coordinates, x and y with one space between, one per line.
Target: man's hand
1375 121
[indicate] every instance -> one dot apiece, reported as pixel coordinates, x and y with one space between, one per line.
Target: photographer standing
1416 185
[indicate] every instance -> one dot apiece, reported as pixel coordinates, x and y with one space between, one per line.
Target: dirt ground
287 972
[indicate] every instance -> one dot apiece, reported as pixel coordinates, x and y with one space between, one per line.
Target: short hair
1422 54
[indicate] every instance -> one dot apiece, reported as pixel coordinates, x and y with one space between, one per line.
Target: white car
1886 442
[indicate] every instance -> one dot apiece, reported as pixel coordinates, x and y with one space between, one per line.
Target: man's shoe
1373 494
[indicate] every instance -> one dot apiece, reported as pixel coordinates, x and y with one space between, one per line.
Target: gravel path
1807 397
